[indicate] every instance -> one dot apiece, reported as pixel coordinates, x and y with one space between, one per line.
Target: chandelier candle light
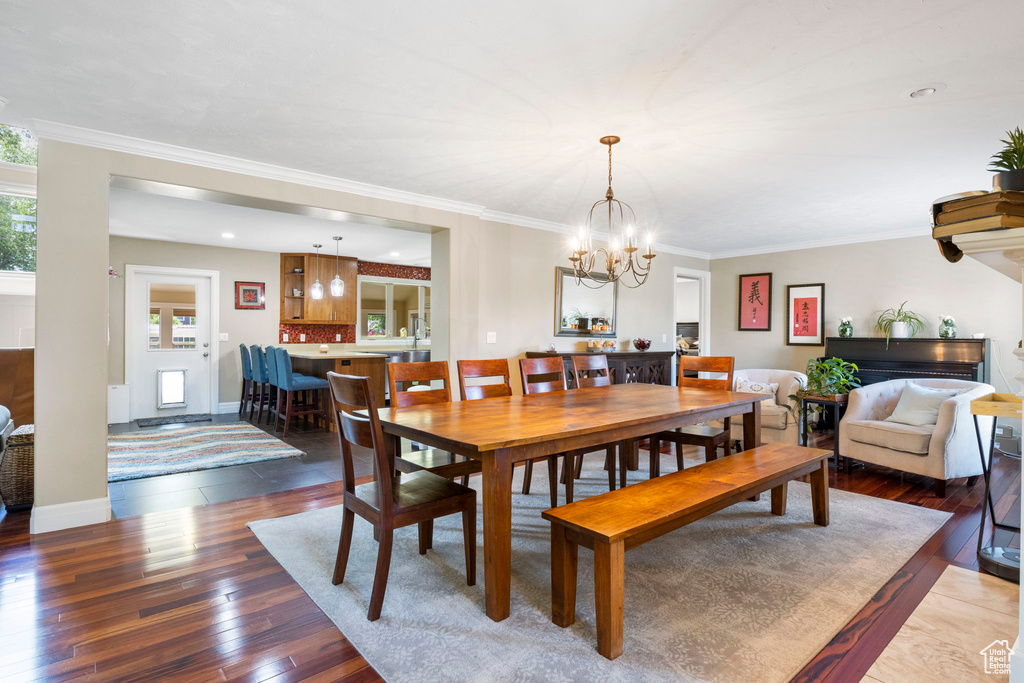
619 256
316 290
337 284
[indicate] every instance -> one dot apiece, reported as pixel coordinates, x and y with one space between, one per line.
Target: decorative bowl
641 344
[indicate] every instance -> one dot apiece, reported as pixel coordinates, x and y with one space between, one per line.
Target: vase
947 331
845 330
1008 180
899 330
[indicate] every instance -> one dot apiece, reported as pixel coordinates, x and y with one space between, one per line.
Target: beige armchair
778 417
944 451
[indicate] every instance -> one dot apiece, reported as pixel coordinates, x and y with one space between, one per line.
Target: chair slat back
348 395
542 375
715 364
591 371
480 369
404 393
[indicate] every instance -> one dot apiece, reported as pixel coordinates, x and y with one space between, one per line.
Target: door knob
206 354
206 344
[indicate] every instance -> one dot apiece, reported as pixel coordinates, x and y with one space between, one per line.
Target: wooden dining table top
508 422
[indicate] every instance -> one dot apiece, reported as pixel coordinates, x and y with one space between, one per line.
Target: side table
838 404
1001 561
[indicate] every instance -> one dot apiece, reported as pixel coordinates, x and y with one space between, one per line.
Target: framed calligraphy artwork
805 312
755 309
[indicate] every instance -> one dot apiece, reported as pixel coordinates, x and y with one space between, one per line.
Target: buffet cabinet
628 367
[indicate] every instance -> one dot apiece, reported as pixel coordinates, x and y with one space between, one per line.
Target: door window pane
172 316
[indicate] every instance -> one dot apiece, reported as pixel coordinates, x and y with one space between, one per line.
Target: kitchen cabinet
299 272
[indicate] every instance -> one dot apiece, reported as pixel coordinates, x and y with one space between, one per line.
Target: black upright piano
906 358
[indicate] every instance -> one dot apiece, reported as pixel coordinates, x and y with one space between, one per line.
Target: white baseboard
67 515
228 407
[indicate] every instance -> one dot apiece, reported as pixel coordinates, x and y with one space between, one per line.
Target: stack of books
990 211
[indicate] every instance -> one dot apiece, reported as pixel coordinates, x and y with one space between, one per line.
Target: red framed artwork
755 304
249 296
805 311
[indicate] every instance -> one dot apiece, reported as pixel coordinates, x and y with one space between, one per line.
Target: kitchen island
308 360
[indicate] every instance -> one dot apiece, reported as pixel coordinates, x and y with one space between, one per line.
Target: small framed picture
755 305
249 296
805 312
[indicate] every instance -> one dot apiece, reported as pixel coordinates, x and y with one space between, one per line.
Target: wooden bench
614 522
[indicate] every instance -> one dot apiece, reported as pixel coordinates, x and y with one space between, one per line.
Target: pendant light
337 284
317 290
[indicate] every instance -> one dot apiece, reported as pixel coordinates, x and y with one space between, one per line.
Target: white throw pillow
919 406
757 387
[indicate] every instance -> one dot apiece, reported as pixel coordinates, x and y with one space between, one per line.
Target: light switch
224 336
337 337
492 337
284 337
302 337
664 339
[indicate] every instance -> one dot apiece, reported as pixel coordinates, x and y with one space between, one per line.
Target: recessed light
228 235
395 253
926 90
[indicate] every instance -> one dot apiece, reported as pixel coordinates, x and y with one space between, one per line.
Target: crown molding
114 142
817 244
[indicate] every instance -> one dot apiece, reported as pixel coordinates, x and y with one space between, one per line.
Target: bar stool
292 383
247 383
260 378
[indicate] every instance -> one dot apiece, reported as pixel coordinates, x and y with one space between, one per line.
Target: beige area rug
739 596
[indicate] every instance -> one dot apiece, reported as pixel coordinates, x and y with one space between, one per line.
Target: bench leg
609 589
779 495
819 494
563 577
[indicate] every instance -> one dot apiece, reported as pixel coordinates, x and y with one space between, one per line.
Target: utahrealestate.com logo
997 657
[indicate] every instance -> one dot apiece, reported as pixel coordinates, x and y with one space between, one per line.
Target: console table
625 367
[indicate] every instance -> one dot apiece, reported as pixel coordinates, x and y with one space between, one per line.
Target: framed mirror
581 311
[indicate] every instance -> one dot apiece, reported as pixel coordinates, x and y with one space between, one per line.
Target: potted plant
899 323
828 378
1008 163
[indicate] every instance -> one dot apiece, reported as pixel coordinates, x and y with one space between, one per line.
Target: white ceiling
745 124
173 219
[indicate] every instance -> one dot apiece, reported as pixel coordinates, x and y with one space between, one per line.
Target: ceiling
746 124
173 219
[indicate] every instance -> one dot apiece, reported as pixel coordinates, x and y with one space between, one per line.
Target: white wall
17 320
860 281
687 301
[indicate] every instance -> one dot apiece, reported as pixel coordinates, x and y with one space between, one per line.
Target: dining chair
273 387
592 370
706 436
410 384
540 376
261 376
484 369
291 389
247 383
389 503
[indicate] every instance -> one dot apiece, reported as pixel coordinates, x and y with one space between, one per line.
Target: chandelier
596 267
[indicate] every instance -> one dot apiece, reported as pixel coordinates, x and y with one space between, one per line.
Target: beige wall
687 301
860 281
242 326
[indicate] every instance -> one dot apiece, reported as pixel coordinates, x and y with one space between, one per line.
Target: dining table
499 432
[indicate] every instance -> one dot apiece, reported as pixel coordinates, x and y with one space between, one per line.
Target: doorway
170 351
691 298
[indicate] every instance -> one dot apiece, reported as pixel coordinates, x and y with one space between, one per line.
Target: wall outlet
284 338
492 337
337 337
302 337
224 336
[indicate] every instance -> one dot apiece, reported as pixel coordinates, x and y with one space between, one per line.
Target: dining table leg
497 510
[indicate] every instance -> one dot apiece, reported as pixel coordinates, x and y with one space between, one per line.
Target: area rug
741 595
173 419
151 452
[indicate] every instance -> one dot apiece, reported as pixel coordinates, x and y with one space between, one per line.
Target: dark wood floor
190 594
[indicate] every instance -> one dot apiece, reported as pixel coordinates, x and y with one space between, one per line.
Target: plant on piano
899 322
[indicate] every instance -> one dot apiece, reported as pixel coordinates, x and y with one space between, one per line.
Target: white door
170 358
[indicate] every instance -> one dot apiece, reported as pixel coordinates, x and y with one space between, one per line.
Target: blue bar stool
260 377
272 385
247 383
293 383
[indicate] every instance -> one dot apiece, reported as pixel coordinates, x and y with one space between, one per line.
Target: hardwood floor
190 594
